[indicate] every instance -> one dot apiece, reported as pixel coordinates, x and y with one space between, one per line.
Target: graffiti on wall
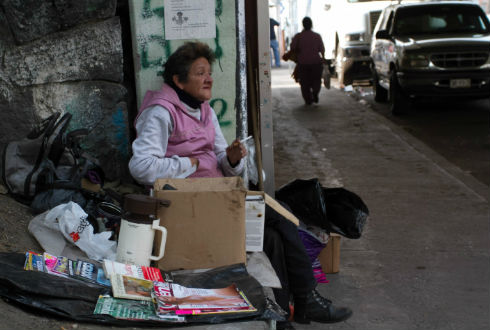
89 110
152 49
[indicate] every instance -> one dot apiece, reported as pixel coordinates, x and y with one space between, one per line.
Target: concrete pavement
423 260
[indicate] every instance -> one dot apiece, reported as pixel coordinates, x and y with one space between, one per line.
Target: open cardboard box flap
281 210
202 184
276 206
205 222
223 184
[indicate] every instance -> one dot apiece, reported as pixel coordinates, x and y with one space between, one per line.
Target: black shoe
314 307
284 325
315 98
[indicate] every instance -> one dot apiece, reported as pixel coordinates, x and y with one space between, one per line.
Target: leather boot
314 307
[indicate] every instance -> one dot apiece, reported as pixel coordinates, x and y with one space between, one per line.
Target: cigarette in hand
246 139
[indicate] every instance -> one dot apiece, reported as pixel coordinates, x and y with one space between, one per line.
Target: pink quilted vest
190 137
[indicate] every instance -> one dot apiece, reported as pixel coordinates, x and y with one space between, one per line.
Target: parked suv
430 49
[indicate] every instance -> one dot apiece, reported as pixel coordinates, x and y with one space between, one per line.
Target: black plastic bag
346 212
305 198
75 300
335 210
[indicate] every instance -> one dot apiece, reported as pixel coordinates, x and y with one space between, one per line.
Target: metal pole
279 28
241 80
265 94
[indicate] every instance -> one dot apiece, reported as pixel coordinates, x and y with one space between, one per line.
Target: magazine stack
142 293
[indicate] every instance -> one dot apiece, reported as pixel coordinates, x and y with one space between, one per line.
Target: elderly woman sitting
178 131
179 136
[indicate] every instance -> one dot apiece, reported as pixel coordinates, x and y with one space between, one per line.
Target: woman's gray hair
179 63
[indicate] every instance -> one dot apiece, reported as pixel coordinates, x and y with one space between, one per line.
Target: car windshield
440 19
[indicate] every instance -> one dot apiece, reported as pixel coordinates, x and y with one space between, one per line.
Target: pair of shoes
314 307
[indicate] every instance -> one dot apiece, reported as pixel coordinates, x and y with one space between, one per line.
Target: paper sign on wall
190 19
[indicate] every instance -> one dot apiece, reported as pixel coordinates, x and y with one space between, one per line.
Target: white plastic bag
252 173
76 228
48 234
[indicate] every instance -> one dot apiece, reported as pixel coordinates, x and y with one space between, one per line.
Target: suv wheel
399 104
380 94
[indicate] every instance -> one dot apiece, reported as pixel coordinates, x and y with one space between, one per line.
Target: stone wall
65 56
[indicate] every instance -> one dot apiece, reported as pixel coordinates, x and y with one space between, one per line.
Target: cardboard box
255 218
205 222
254 221
330 255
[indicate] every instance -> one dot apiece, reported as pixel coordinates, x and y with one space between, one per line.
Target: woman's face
199 81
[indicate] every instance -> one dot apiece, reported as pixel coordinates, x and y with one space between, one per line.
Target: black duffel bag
346 212
336 210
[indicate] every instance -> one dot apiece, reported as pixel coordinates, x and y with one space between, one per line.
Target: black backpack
47 162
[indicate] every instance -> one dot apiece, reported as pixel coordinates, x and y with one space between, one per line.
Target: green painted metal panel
151 49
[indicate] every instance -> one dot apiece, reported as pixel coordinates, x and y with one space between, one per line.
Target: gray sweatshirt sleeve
148 162
220 146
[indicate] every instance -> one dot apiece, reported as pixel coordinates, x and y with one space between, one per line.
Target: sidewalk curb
478 188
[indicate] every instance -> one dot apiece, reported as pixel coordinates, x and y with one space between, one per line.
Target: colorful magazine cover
34 261
55 265
163 305
184 312
195 298
143 272
129 287
61 267
49 262
72 268
91 272
175 298
126 309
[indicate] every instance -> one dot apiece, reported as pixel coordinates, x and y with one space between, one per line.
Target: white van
346 27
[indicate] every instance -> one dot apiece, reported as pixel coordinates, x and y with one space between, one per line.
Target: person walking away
178 133
274 43
310 51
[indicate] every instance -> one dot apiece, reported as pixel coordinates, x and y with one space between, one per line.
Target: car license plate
460 83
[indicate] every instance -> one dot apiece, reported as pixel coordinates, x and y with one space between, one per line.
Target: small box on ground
254 221
205 222
330 255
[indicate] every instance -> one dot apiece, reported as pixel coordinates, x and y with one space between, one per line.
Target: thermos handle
156 226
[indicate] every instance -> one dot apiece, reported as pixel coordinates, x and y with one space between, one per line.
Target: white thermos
139 223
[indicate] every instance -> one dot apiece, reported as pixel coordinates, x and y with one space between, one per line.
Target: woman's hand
235 152
194 161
